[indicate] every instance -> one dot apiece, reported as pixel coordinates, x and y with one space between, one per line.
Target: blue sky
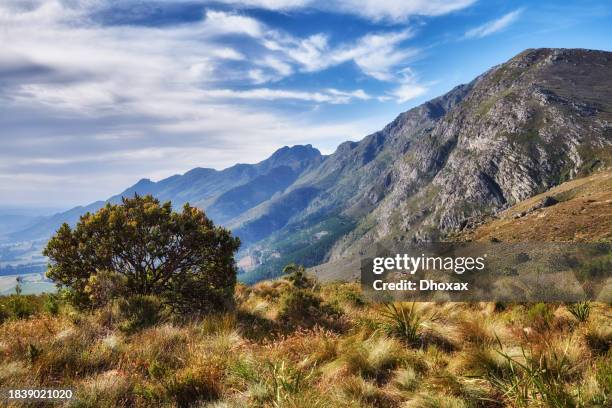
96 94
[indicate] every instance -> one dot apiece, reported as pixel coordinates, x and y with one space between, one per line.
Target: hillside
581 210
224 193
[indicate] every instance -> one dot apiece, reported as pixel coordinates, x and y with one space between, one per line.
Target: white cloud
391 10
228 53
409 88
220 22
331 95
280 5
494 26
309 52
282 68
376 55
111 104
399 10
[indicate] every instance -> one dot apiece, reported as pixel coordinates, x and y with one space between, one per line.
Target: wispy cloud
494 26
111 104
376 10
375 54
331 95
409 88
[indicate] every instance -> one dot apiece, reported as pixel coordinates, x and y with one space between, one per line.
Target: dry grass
465 355
584 213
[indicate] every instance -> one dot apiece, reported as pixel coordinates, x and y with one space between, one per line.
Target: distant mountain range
541 118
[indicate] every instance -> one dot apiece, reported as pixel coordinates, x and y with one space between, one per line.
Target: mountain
541 118
519 129
225 192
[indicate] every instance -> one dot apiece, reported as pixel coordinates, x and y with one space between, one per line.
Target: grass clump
580 310
540 315
403 321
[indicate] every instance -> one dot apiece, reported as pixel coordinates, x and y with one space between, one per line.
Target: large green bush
181 257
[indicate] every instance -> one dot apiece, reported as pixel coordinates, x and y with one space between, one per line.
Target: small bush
540 315
51 305
296 274
304 308
138 312
20 307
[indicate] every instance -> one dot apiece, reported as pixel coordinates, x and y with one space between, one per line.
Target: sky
97 94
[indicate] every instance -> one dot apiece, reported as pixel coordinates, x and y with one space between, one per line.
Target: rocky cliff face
543 117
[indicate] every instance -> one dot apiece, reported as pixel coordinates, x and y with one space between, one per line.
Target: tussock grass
315 346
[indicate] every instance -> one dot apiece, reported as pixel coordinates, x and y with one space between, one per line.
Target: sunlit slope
583 212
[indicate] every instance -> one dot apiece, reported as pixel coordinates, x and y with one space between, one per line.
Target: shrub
540 315
296 274
304 308
51 305
138 312
19 307
182 257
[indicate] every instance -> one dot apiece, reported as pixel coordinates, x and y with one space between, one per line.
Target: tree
180 256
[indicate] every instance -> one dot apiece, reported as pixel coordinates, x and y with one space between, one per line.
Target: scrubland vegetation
294 342
149 314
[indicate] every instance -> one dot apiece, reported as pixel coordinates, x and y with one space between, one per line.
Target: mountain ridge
208 183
